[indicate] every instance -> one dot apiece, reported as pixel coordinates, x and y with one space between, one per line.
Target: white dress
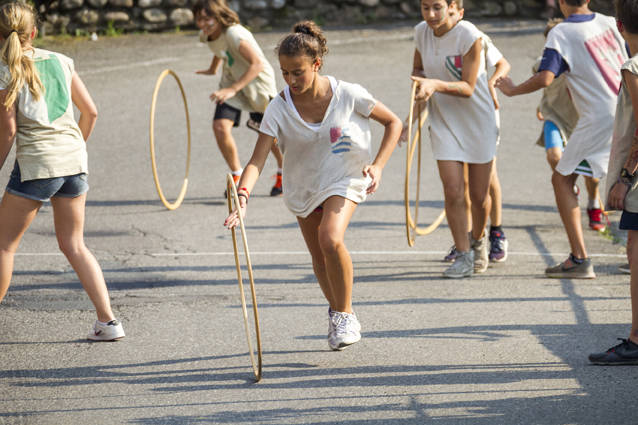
324 160
594 51
461 129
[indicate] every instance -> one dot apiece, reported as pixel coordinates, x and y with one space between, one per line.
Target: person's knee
553 156
454 193
329 242
220 128
71 247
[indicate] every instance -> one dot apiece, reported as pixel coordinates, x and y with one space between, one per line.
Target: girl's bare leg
337 212
480 176
222 128
68 216
324 235
468 203
496 211
310 230
16 214
451 173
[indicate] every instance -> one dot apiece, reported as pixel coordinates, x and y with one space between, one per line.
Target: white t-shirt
254 97
594 52
461 129
328 160
624 130
49 142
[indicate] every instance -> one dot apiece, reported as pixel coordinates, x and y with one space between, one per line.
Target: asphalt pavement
506 347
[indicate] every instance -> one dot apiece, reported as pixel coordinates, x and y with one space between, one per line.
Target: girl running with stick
322 127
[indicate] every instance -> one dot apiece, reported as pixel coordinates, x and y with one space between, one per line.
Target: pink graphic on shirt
607 54
335 133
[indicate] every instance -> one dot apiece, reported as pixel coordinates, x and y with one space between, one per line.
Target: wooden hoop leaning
411 223
182 192
233 200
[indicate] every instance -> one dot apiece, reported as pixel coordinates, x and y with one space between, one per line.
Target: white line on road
224 253
230 253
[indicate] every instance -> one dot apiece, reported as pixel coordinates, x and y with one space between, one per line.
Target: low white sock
237 173
593 203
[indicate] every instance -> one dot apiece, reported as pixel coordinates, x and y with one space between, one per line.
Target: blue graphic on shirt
339 141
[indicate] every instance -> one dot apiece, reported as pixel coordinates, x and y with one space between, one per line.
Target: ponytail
17 21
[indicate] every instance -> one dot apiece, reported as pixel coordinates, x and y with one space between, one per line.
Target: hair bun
306 27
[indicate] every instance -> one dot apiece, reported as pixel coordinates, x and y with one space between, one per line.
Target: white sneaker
112 331
463 265
346 330
481 253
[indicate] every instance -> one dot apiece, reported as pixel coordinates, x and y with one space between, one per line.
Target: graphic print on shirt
454 65
340 141
231 59
56 95
605 51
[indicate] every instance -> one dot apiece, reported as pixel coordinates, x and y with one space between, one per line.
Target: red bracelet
244 190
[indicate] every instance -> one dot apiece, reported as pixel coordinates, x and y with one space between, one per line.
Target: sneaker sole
458 276
498 260
105 340
570 276
481 269
343 345
621 363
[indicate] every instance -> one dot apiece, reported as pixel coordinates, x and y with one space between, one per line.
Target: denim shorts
43 189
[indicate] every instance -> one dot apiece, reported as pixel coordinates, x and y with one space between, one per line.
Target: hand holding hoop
411 223
233 200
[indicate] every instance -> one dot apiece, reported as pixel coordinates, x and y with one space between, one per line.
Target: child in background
51 158
495 62
589 50
621 181
449 65
559 117
322 126
247 83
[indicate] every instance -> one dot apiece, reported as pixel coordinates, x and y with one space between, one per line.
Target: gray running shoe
569 269
481 253
463 265
624 269
451 255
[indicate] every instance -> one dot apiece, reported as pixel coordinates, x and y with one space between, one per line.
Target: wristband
625 182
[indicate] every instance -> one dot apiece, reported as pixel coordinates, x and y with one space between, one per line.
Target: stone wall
78 16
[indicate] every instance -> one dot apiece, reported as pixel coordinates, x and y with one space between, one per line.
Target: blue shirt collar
580 18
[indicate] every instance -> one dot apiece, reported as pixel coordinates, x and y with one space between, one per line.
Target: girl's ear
34 32
316 64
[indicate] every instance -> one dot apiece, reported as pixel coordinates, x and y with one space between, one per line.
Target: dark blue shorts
43 189
628 221
224 111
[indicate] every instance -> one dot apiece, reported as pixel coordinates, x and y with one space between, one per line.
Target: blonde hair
17 21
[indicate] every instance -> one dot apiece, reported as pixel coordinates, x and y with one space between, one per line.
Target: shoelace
624 342
341 322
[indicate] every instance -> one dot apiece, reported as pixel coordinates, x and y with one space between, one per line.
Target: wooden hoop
233 200
411 223
182 192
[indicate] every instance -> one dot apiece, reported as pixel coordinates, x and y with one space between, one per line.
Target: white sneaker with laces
346 330
112 331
